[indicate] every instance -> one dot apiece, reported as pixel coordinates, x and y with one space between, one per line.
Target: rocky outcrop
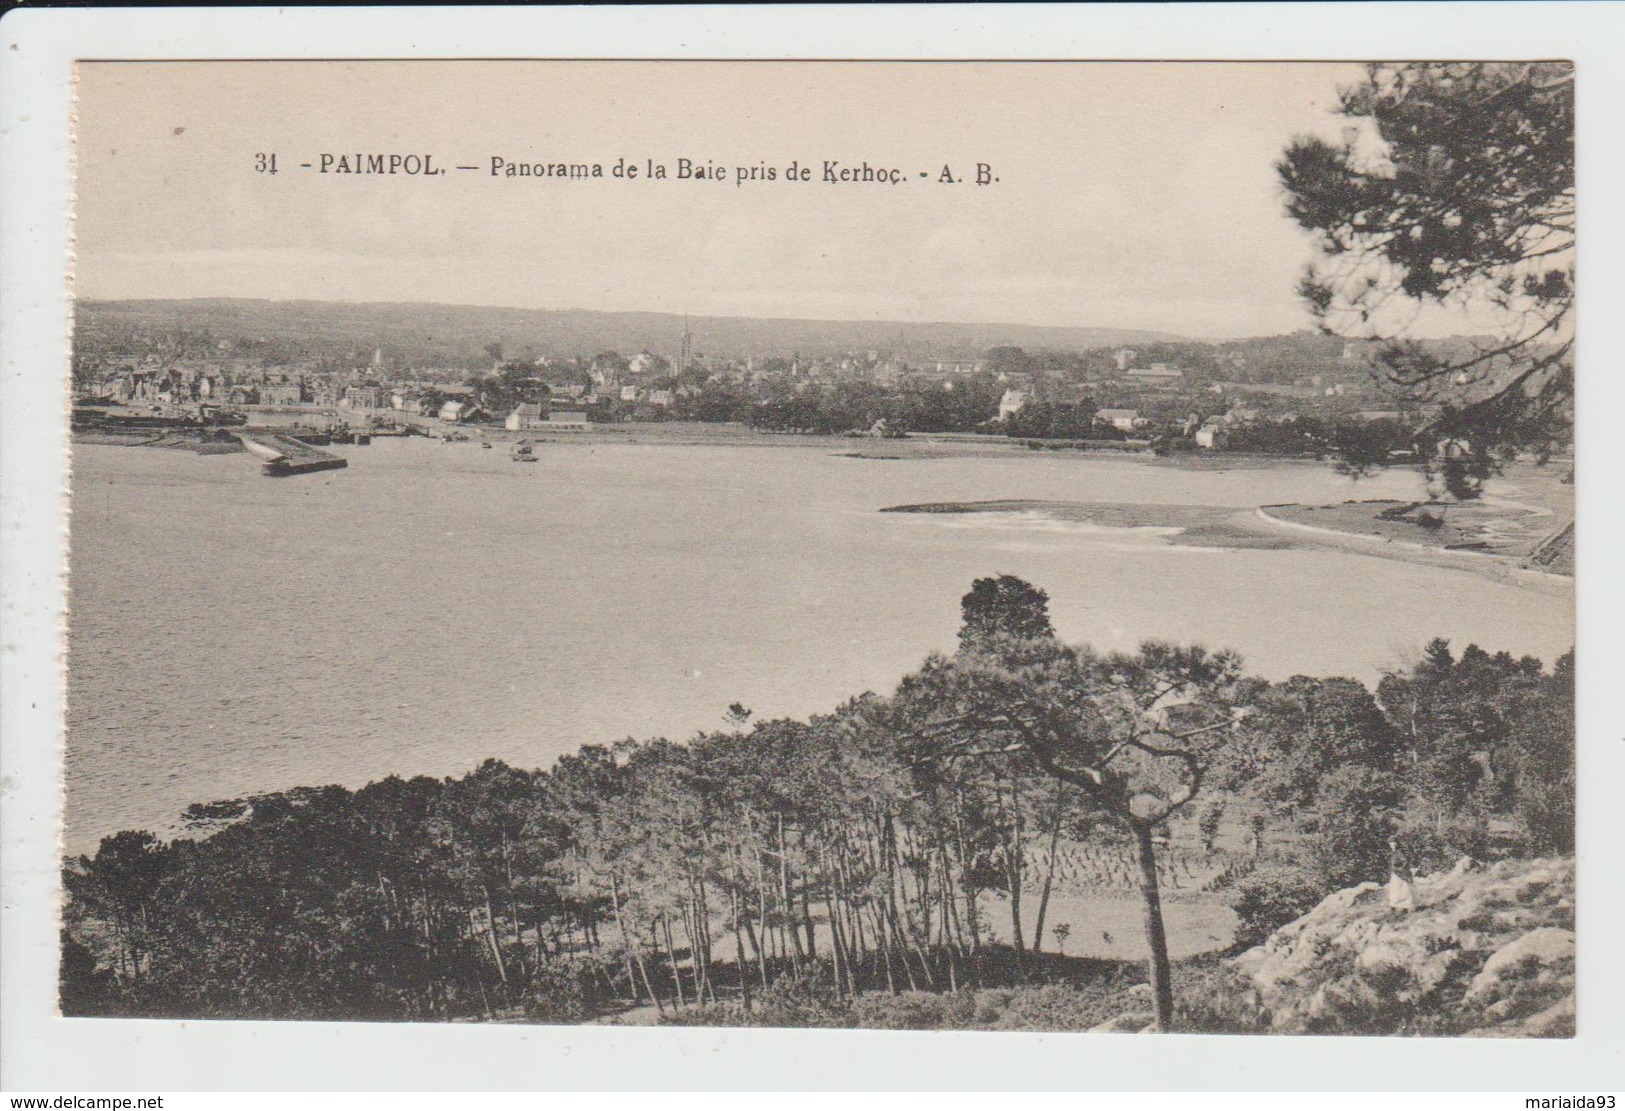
1135 1022
1485 951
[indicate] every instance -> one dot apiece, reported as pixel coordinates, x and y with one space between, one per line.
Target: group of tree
1059 420
1469 756
1357 444
902 842
509 386
854 405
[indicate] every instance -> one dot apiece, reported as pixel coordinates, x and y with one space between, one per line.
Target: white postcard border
39 1051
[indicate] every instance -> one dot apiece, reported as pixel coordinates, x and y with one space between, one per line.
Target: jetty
281 456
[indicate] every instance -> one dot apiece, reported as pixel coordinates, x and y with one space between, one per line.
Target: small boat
263 452
486 444
523 452
288 455
282 468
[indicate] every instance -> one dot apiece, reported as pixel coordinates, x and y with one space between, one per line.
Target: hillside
1487 951
453 333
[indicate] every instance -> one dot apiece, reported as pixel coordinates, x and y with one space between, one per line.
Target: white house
1213 434
528 415
1124 420
362 397
1011 403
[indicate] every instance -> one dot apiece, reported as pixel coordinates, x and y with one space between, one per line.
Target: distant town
1301 394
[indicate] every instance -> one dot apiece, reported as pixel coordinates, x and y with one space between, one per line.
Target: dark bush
567 993
1271 897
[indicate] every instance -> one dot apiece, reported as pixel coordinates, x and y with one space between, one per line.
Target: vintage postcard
1048 546
568 564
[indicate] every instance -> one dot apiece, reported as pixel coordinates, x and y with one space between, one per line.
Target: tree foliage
1125 730
1453 186
1003 608
910 843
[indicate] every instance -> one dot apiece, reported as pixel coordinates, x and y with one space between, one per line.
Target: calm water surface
438 604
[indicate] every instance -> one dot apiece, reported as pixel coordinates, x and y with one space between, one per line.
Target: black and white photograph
1066 546
786 548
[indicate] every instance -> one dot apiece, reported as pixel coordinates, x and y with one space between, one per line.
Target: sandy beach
1515 530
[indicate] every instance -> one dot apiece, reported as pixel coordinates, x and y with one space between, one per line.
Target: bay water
437 604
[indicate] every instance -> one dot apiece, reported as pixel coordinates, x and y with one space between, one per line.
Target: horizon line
1172 336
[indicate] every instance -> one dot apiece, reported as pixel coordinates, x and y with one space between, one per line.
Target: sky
1134 195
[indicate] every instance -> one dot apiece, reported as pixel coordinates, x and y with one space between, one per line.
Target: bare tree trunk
952 930
905 942
626 938
1014 861
850 919
694 960
893 933
905 927
760 935
643 971
1162 989
756 947
971 910
1049 874
786 904
671 955
885 950
491 932
739 947
513 910
702 920
695 921
1016 876
806 900
836 949
807 921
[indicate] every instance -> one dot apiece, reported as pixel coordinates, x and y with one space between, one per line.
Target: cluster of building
1127 393
154 380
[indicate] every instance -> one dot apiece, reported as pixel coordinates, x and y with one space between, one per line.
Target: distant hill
454 334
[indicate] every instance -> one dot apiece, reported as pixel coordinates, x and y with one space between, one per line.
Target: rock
1435 970
1556 1021
1487 950
1377 956
1133 1023
1538 953
1348 897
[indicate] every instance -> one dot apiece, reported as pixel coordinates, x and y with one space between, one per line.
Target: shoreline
1495 565
862 446
1267 527
1256 528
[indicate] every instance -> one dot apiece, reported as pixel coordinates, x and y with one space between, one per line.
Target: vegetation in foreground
839 869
